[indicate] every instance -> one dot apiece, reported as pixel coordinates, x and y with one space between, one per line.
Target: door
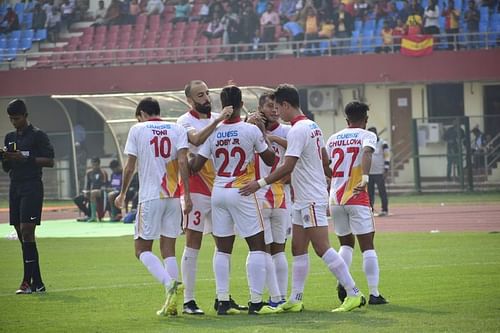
400 104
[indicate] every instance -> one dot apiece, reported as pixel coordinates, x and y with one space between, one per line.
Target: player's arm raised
366 162
199 137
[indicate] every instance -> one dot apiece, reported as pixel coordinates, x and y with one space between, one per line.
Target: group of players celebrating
257 178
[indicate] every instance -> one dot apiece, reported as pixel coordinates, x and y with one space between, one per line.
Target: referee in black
27 150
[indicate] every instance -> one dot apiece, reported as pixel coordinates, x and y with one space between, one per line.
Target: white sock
271 280
281 266
370 267
221 271
171 267
188 269
155 267
256 274
338 267
346 253
300 270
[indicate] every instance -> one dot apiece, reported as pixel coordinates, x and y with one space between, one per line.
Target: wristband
262 182
365 179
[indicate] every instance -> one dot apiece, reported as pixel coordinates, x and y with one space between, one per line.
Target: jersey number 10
162 146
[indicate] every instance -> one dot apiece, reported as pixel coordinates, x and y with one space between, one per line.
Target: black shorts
25 202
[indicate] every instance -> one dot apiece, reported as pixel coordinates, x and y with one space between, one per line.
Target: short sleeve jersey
273 194
232 147
156 143
305 141
203 181
345 150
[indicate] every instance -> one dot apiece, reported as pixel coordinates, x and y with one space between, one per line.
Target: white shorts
352 219
276 225
159 217
200 217
233 212
312 215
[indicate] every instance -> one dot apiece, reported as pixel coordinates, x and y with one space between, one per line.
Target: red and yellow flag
417 45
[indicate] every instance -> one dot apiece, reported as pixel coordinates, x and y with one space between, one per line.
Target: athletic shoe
351 303
170 306
292 307
341 293
233 304
275 304
82 219
40 289
262 309
24 288
192 308
225 308
382 213
375 300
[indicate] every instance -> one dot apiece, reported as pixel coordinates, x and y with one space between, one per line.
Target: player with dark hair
27 150
232 147
350 151
200 122
307 162
159 149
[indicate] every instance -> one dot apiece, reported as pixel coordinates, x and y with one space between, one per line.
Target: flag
417 45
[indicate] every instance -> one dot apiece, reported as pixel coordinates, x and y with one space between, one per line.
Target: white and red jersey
345 150
232 147
305 141
155 143
273 195
203 181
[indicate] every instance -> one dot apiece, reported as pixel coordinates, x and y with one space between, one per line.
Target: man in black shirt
27 150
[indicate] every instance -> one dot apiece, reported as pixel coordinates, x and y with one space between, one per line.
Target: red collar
273 127
297 119
197 115
232 121
155 119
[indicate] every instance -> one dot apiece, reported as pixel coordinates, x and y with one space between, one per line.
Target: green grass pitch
443 282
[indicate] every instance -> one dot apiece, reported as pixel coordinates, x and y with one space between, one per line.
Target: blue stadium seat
10 54
15 34
483 29
442 22
19 8
484 15
40 35
458 5
367 42
355 42
28 20
13 43
30 33
25 44
400 5
358 24
380 24
3 42
369 25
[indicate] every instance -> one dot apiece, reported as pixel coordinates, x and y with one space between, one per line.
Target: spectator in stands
261 6
10 21
431 18
215 28
216 8
361 9
100 14
231 23
392 15
471 18
53 24
405 11
269 22
311 30
182 11
451 24
156 7
115 185
417 7
39 18
287 9
249 23
67 14
387 38
90 202
414 23
343 22
398 32
296 33
203 14
113 13
47 7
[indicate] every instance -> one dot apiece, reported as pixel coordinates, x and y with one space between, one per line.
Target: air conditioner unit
323 99
431 132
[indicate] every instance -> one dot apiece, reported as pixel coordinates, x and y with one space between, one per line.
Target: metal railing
235 52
